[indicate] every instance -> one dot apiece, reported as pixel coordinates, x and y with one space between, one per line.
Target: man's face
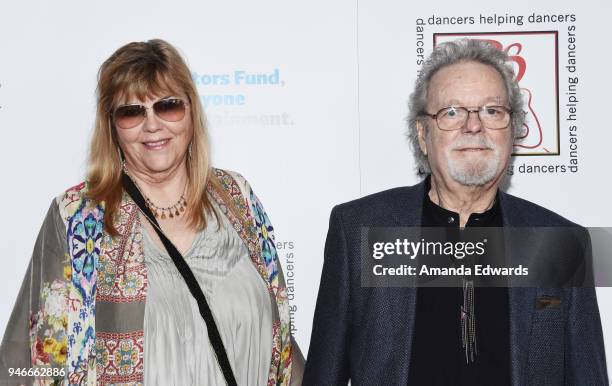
472 155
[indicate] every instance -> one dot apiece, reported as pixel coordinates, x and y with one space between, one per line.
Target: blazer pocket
547 343
548 308
548 302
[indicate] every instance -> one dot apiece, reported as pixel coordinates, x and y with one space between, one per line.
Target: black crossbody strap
194 287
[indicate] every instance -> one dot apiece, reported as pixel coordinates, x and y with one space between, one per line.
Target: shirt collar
440 216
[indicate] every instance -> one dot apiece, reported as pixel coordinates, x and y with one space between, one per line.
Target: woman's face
155 147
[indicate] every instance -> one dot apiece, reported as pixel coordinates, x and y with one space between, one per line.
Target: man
465 112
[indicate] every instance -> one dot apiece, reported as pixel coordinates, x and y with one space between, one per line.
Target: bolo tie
467 314
468 321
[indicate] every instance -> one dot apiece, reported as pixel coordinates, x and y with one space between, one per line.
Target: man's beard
476 172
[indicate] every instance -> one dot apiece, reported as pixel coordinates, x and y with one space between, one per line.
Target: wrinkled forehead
467 83
146 87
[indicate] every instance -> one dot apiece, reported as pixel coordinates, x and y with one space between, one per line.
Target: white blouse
178 351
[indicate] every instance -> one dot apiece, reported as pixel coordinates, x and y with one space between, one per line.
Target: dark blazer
365 334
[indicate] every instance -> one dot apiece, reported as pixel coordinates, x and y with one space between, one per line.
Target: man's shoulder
378 199
380 207
522 212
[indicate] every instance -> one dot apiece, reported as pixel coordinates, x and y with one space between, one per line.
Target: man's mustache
474 142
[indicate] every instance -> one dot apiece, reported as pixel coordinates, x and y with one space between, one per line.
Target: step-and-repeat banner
306 100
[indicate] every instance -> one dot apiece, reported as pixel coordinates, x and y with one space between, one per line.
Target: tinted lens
129 116
170 110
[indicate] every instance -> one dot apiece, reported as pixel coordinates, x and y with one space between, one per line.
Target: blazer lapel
521 299
409 208
406 213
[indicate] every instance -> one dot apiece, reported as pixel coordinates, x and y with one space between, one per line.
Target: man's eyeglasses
129 116
455 117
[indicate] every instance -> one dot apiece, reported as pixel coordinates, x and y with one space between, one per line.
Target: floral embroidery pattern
122 276
241 221
120 357
281 357
84 235
273 376
102 269
264 233
49 344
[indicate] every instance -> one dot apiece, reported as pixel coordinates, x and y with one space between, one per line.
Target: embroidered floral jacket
79 316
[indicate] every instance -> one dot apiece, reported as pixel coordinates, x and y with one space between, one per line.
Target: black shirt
437 355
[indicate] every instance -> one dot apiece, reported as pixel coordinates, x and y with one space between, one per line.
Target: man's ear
421 134
518 138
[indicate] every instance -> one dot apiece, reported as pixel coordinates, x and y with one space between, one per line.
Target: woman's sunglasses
129 116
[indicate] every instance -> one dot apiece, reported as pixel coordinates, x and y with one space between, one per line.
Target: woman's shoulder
71 199
74 192
224 174
230 179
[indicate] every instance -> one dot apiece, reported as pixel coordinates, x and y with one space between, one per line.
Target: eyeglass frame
469 111
112 113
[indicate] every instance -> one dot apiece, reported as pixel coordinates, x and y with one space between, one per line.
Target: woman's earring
189 149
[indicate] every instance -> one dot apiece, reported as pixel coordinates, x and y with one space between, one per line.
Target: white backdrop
326 129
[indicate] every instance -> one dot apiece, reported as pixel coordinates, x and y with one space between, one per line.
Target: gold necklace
173 210
160 212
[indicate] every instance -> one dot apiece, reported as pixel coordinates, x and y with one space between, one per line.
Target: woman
106 298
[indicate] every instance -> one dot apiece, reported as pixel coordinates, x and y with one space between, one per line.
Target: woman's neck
163 189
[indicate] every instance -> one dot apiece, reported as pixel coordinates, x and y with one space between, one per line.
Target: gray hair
453 52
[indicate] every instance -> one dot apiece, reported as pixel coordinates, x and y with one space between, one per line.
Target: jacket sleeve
35 334
328 356
585 357
297 363
15 348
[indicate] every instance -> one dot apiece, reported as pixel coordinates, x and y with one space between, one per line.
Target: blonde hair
141 69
